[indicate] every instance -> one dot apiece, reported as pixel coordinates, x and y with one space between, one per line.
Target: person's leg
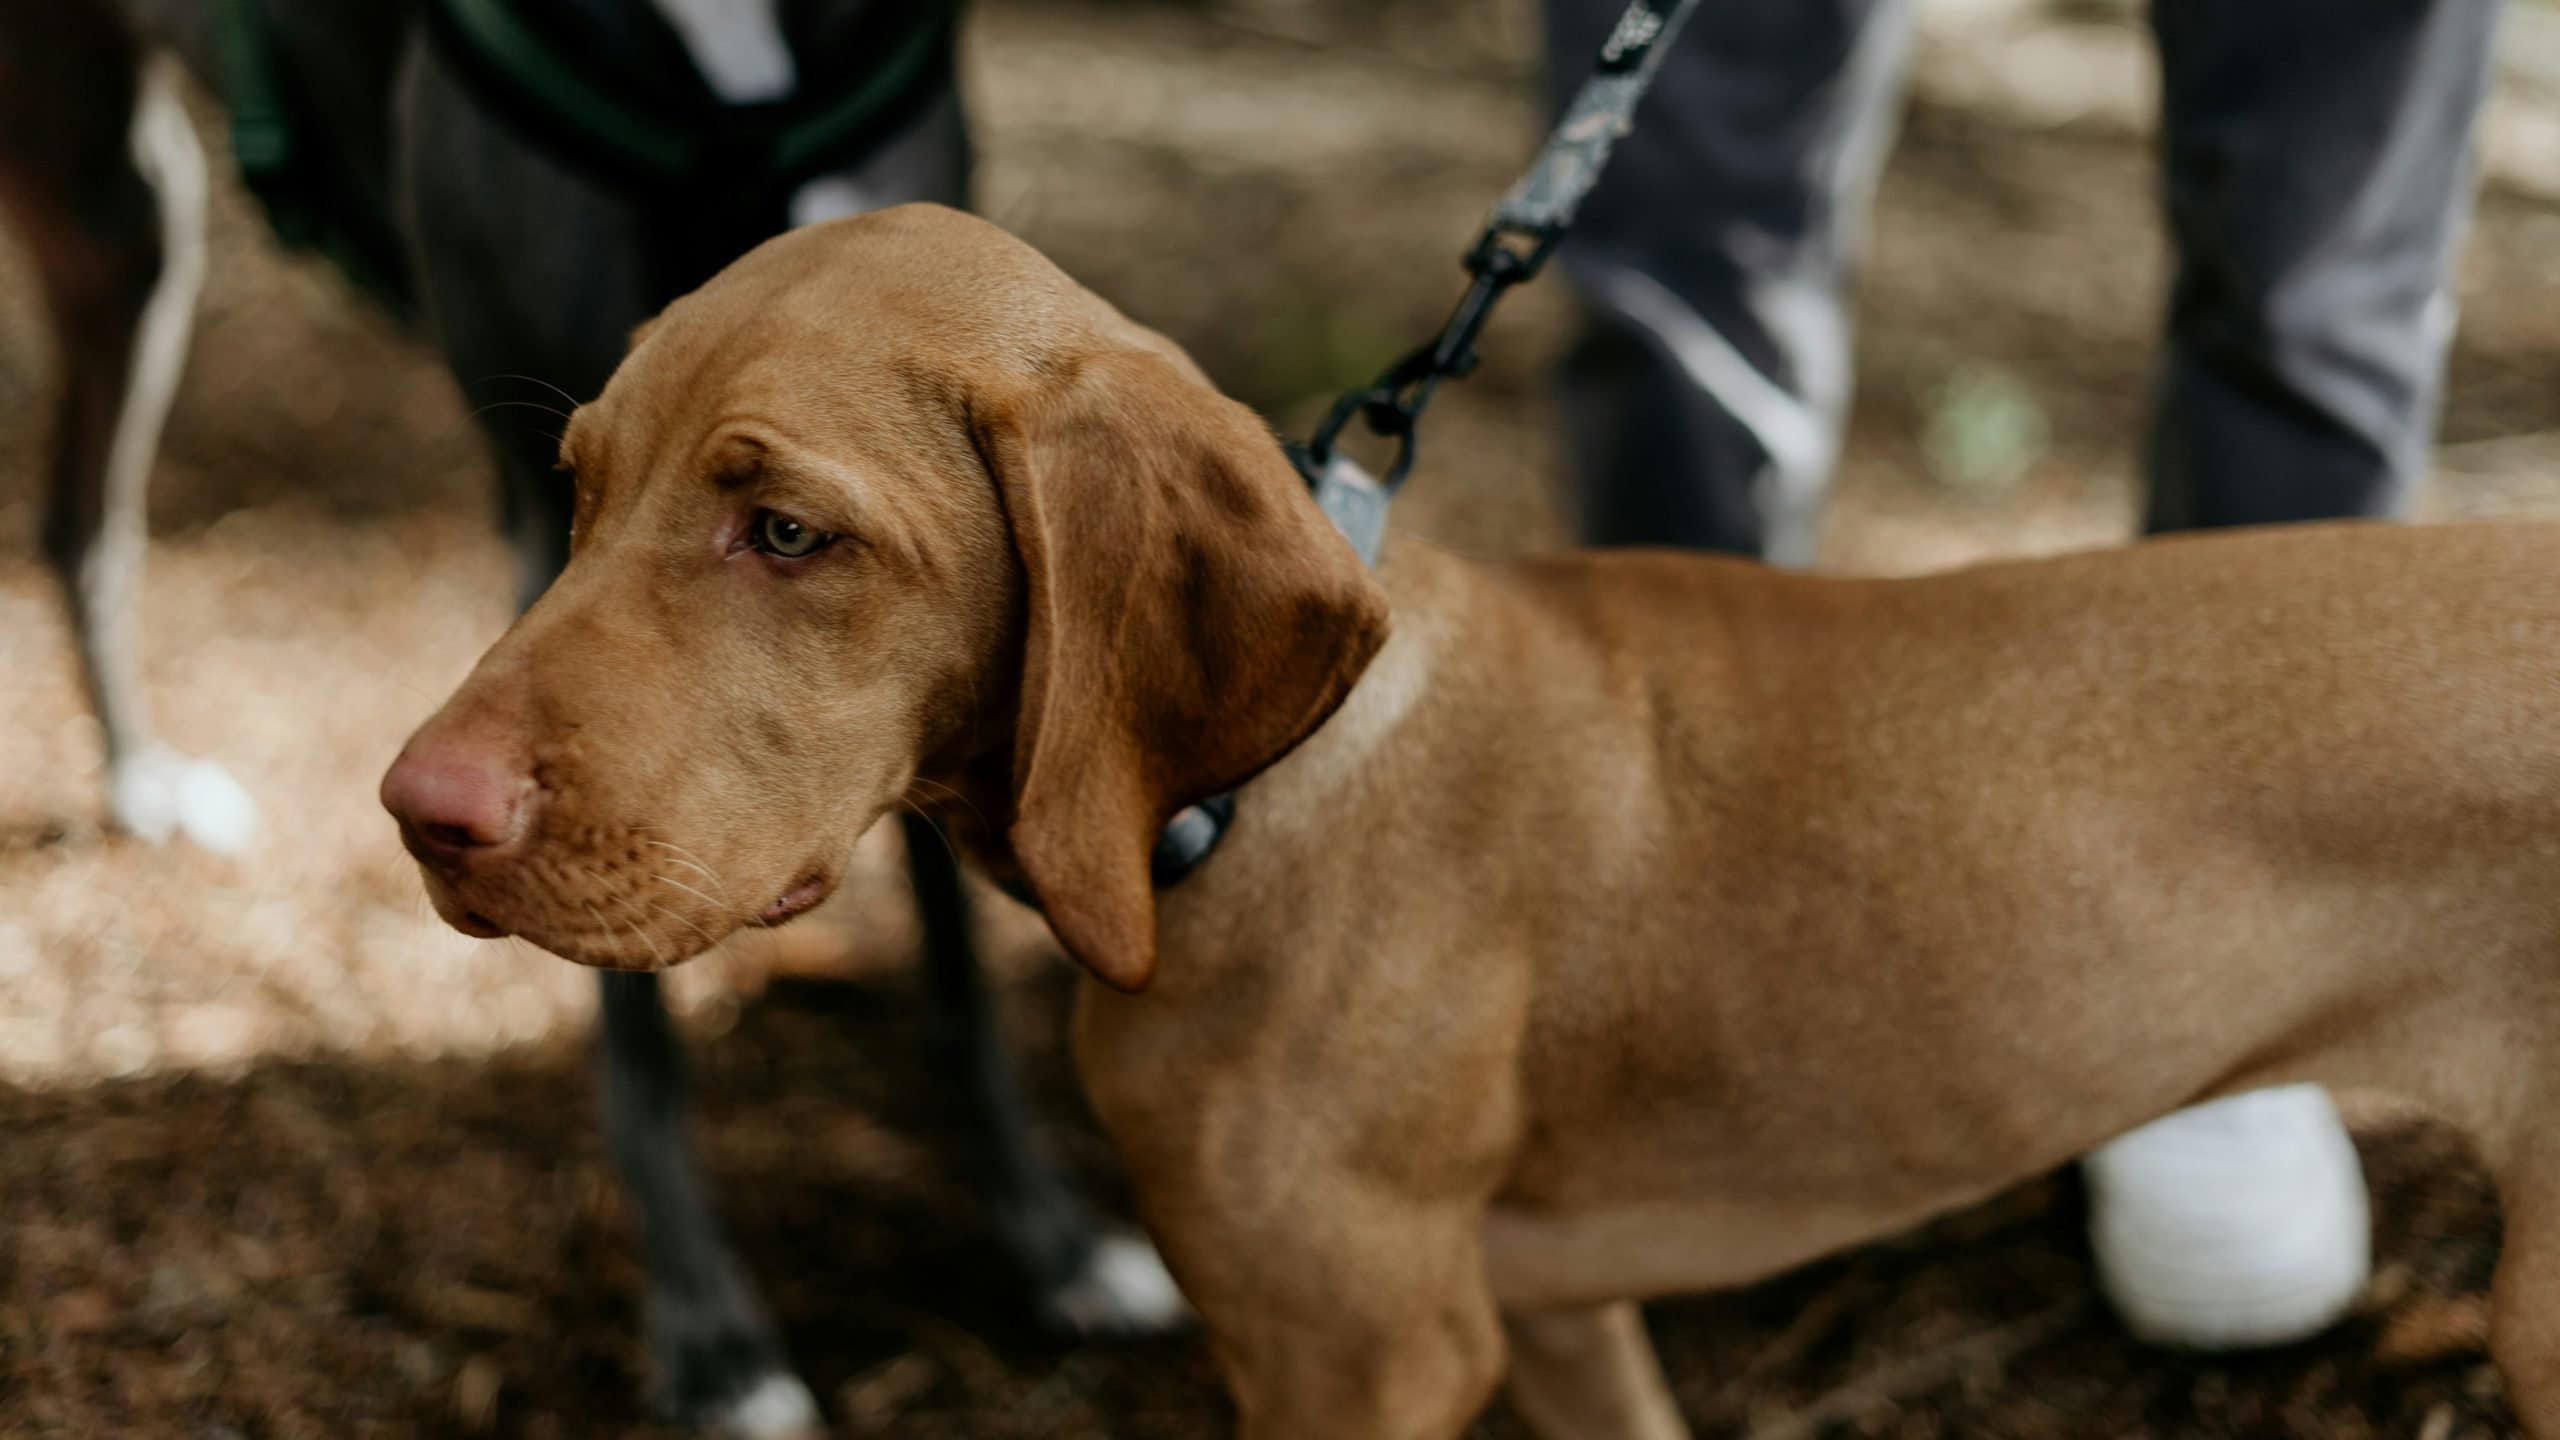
2317 168
1704 398
2317 171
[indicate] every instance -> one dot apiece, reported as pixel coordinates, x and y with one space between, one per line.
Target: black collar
1357 506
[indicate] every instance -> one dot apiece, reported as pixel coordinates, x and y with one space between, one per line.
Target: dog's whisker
634 918
665 879
954 796
422 921
677 916
611 934
519 405
657 957
656 835
535 380
685 858
936 827
708 944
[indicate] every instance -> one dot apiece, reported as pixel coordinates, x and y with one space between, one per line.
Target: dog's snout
456 803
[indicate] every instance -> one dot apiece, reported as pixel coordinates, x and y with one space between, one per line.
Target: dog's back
1791 879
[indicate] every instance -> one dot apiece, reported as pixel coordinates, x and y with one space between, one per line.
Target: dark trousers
2317 171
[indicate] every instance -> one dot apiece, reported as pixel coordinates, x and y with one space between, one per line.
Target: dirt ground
284 1157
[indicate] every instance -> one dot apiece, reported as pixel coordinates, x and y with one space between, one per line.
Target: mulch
438 1247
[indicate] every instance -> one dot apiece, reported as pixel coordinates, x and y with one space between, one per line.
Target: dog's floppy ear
1191 616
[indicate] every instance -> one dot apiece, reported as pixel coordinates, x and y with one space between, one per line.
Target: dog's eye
781 536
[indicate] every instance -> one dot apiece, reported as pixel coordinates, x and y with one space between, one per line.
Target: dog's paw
159 794
720 1372
1121 1291
776 1407
735 1389
2236 1224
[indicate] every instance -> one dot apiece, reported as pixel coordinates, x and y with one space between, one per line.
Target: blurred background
284 1156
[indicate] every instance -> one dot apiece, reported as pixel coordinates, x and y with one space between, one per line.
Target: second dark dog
530 180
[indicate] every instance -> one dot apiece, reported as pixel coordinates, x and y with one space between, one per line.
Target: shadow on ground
438 1247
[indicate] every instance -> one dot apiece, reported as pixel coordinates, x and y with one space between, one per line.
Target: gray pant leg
2318 159
1703 401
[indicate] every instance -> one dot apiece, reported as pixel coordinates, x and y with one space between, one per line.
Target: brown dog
1598 926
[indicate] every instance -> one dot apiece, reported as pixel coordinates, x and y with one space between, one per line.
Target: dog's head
889 499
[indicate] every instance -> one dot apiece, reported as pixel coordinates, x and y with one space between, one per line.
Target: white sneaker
2239 1223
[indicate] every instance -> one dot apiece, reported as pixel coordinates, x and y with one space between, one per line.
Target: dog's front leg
122 254
1321 1196
1344 1316
2524 1322
1086 1279
1589 1374
718 1363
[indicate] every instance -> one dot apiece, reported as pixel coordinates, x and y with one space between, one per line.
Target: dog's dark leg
532 277
101 258
1086 1279
104 177
544 287
718 1362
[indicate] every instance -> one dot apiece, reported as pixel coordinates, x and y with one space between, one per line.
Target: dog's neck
1419 579
968 790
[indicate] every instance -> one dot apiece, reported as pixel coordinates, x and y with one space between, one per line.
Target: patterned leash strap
1516 241
1544 201
1523 231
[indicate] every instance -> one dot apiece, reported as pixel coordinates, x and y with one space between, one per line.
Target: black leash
1523 231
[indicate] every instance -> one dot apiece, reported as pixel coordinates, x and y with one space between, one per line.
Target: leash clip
1513 247
1391 405
1349 497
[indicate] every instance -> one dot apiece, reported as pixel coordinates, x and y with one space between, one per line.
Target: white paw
2240 1223
777 1407
160 793
1124 1290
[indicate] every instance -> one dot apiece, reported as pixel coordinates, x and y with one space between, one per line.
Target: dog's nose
453 804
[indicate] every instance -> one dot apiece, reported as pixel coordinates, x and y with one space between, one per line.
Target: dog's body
530 273
1637 923
1703 920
